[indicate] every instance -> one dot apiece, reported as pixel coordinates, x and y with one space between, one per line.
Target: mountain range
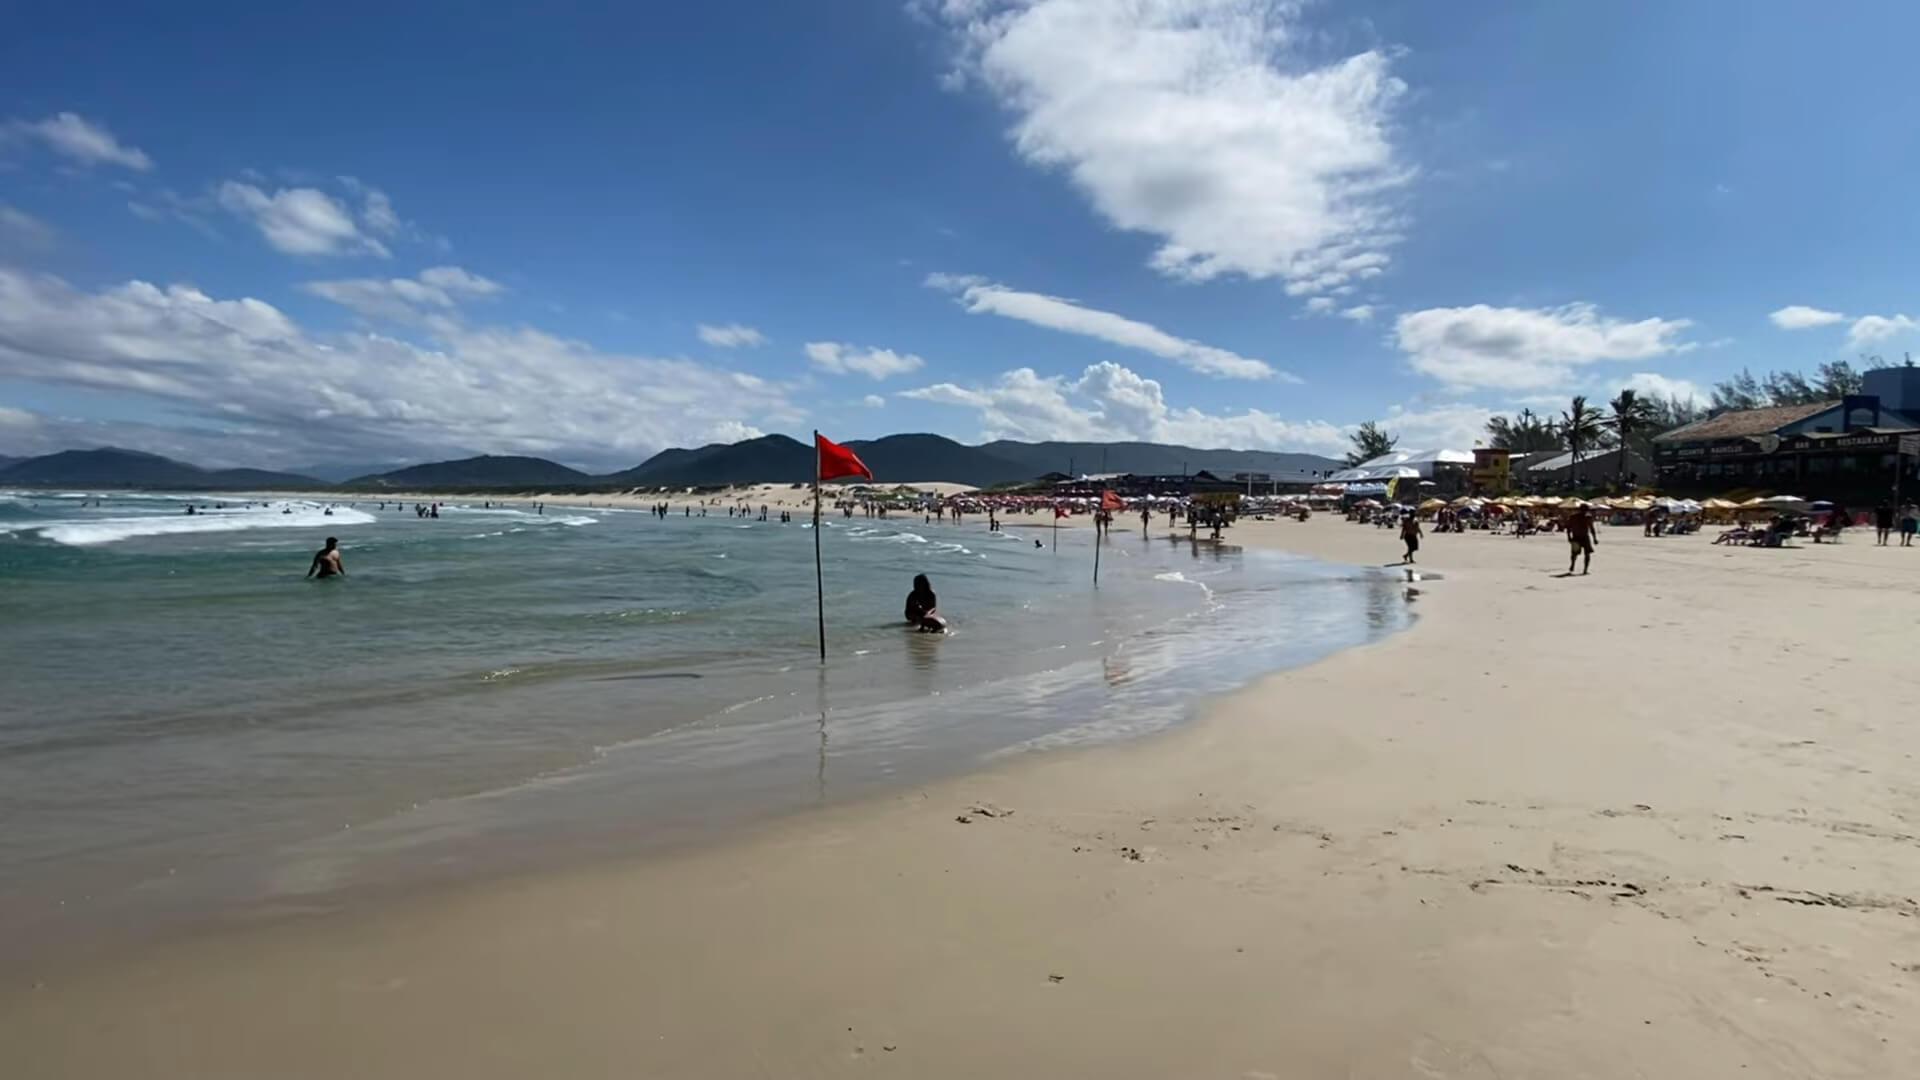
767 459
111 467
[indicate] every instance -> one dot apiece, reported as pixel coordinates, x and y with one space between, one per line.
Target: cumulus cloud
1108 402
80 140
1358 313
1868 329
1802 317
1202 123
245 370
1654 384
874 401
731 336
300 221
438 287
979 296
1526 348
1321 305
838 359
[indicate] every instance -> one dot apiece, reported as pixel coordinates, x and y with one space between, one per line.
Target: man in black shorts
1581 538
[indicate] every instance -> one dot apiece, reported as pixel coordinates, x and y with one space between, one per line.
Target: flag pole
1056 529
819 583
1096 549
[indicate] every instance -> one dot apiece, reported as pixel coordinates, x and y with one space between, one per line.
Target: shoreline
1515 839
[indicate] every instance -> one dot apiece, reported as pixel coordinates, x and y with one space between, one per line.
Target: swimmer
326 561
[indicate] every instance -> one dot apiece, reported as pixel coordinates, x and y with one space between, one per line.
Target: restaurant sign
1723 448
1866 443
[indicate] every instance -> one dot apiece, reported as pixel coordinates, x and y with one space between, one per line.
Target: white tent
1402 464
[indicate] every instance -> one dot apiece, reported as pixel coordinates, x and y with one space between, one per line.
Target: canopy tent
1402 464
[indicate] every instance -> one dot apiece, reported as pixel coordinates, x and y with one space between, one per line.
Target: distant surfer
326 561
921 605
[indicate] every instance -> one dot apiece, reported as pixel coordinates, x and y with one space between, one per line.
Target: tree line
1629 422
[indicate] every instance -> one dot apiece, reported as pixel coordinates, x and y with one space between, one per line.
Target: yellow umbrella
1433 504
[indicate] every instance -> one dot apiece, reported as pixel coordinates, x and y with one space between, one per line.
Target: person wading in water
326 561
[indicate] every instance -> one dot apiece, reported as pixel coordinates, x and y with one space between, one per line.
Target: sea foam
109 530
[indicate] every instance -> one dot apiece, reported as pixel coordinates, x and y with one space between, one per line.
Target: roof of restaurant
1732 425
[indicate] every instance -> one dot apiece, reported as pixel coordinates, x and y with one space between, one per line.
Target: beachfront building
1847 449
1437 471
1553 470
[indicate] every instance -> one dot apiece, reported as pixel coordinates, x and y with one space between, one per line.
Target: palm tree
1580 427
1630 415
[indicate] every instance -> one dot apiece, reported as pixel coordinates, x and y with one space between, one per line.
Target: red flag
1059 511
1110 501
832 460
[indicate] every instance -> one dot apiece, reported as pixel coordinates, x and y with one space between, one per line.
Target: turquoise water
191 726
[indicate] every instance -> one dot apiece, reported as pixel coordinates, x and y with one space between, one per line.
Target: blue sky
247 236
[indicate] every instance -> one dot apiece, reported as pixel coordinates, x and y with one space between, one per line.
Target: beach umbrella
1785 502
1433 504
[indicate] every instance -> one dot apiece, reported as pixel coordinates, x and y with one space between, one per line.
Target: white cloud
1358 313
1321 305
1111 402
731 431
74 137
21 231
377 212
1526 348
438 287
1654 384
839 359
731 336
1868 329
979 296
1201 122
284 395
874 401
459 282
1801 317
300 221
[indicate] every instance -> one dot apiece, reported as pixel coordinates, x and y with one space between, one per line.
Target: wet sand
1660 821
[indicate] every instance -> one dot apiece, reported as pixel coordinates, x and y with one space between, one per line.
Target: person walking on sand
1581 539
1410 535
326 561
1882 523
1909 524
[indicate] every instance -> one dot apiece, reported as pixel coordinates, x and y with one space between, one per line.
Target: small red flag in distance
1110 501
833 460
1059 511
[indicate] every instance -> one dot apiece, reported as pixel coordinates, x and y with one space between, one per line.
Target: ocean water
190 730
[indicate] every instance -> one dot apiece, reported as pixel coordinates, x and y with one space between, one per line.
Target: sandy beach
1656 822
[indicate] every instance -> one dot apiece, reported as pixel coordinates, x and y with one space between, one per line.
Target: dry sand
1663 821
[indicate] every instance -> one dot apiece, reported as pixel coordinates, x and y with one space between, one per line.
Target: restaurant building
1846 449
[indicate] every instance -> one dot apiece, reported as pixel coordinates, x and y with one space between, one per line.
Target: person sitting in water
326 561
921 605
